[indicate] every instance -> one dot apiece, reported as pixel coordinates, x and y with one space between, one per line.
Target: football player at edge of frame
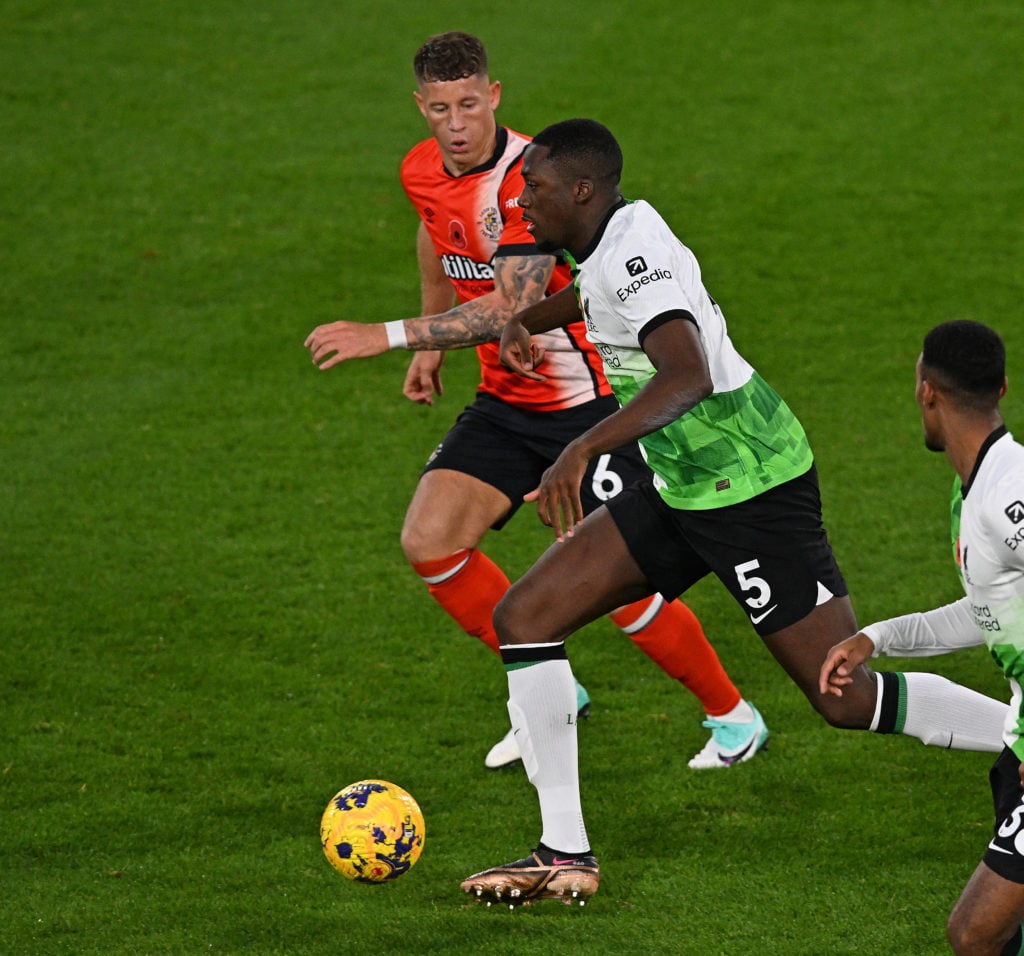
474 250
959 381
735 494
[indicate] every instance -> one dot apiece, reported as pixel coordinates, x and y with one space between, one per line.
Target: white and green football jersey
990 555
742 439
987 530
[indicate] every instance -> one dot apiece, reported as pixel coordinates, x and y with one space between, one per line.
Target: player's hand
841 661
558 495
518 353
423 379
337 342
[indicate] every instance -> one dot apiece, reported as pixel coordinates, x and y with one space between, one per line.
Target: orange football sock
671 636
467 584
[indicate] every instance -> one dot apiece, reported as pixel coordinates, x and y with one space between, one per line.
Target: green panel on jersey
956 505
729 448
1010 659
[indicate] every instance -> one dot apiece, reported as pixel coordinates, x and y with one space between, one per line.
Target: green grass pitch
206 624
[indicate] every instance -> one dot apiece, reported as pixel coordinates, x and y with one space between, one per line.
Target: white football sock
542 707
938 712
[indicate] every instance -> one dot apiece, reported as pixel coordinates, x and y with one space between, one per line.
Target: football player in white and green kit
961 378
734 494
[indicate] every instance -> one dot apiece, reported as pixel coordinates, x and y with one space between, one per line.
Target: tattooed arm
519 281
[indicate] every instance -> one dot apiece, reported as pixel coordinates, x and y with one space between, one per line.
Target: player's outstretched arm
518 280
841 661
337 342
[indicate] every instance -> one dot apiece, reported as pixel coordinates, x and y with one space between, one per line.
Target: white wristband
396 334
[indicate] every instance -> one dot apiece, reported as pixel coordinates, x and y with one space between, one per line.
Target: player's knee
843 713
412 545
955 935
516 617
969 933
505 619
962 937
418 544
520 618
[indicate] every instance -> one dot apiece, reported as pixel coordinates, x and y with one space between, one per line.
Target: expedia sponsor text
637 284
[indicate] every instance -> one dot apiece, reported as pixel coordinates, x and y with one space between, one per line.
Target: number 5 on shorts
751 582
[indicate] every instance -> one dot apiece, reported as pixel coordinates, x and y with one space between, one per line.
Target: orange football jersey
473 219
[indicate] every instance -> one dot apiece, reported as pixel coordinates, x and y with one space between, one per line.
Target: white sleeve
927 633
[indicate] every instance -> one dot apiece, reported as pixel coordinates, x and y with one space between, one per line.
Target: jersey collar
500 142
593 244
982 452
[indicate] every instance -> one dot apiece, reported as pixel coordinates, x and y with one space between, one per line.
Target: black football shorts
509 449
1005 852
771 552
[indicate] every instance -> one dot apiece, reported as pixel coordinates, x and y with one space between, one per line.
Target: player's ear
418 97
495 94
583 190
